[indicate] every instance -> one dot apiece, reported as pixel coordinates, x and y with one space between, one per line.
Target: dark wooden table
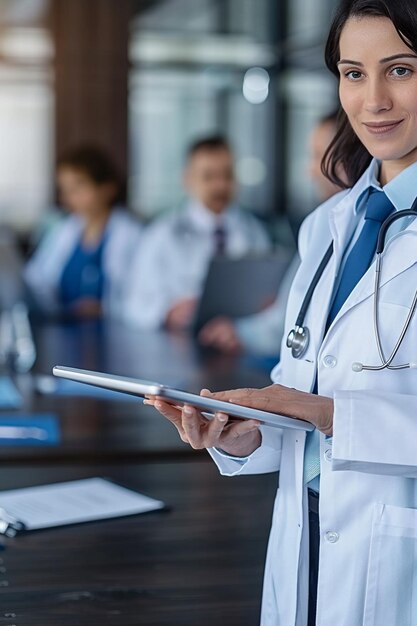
199 564
92 428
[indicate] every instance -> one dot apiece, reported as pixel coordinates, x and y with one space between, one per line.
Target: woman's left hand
285 401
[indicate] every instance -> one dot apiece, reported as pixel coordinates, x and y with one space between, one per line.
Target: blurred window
309 92
190 61
253 69
26 113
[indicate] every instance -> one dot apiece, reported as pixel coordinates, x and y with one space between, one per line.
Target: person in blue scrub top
80 267
343 542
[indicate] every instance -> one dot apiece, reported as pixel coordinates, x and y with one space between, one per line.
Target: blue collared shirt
401 190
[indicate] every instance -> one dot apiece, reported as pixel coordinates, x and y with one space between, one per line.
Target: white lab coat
173 259
368 488
44 270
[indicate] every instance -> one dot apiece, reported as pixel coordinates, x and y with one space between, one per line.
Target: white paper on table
73 502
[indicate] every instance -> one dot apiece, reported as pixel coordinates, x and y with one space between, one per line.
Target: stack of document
73 502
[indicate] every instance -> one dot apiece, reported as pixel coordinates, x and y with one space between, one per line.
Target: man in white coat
172 262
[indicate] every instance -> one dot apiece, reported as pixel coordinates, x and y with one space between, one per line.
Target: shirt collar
204 219
401 190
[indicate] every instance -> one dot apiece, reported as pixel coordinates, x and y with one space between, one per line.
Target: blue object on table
29 430
10 398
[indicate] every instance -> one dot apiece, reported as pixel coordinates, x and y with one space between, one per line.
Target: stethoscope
298 338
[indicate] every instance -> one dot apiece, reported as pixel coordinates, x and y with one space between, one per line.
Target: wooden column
91 74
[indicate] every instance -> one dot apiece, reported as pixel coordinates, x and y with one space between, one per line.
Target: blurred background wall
145 77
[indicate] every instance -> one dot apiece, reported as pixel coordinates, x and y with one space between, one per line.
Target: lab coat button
329 361
332 536
328 455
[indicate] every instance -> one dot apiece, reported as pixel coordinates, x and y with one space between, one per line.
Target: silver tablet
143 388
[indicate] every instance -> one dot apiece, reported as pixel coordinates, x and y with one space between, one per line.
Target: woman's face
378 91
81 195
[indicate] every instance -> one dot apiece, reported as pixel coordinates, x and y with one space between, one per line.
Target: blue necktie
378 208
360 257
220 240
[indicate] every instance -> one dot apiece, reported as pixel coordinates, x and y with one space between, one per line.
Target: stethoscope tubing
316 278
386 363
298 338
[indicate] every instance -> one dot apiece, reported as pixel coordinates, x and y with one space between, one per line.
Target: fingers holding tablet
236 437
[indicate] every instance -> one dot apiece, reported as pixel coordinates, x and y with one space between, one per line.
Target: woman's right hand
236 437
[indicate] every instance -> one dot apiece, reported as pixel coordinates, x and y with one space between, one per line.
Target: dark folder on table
240 287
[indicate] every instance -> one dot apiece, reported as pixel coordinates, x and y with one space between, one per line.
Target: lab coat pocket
391 593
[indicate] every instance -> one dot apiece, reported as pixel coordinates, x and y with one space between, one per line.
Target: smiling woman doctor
344 530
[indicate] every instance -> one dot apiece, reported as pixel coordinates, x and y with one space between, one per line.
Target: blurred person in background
176 250
80 266
262 333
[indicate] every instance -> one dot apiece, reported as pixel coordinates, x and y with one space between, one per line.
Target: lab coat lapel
343 219
400 254
341 223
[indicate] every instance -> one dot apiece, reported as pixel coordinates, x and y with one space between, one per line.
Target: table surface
103 429
199 563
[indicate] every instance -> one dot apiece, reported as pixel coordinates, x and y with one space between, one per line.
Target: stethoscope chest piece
298 340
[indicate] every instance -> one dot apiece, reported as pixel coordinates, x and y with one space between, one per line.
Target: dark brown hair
346 152
208 144
97 165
